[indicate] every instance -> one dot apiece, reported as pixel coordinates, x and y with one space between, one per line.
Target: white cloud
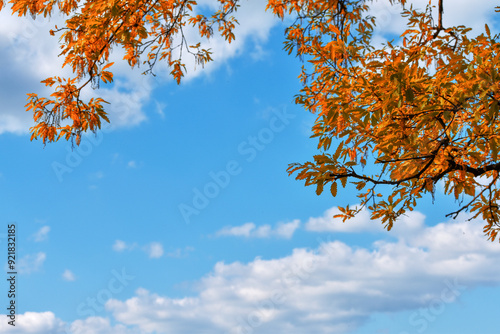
332 289
390 24
286 230
326 223
48 323
120 246
98 325
179 252
406 224
97 175
389 19
42 234
31 263
263 231
237 231
483 180
34 323
132 164
250 230
23 41
131 91
154 250
68 275
160 109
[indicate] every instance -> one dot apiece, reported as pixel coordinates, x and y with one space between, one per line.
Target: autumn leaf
319 188
333 189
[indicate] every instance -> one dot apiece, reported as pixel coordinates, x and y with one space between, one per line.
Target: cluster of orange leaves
423 112
148 31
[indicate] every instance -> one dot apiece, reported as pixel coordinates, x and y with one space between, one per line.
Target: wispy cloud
42 234
180 252
97 175
160 109
250 230
68 275
31 263
154 250
120 246
237 231
132 164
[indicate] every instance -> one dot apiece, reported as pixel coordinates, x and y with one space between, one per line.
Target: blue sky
180 217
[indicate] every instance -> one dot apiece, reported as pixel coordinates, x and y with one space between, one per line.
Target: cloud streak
31 263
250 230
42 234
68 275
154 249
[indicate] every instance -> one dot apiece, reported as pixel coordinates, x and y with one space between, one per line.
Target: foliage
153 30
418 113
